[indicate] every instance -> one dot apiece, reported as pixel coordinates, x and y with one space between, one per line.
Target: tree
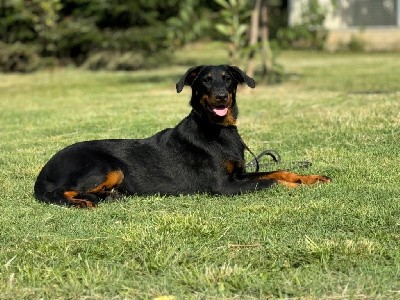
235 15
249 42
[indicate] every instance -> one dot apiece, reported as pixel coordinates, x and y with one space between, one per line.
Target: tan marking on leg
288 184
296 178
70 194
113 179
82 203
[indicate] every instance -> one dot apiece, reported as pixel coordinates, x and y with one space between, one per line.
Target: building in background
376 23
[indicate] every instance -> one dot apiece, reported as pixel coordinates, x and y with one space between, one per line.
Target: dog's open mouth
220 111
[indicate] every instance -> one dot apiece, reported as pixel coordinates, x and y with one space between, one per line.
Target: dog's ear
188 78
241 76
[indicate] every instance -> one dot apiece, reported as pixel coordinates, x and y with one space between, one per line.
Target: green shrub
302 37
113 61
356 44
76 38
190 15
148 39
18 57
125 61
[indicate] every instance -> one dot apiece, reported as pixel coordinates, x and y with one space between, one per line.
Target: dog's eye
207 79
227 78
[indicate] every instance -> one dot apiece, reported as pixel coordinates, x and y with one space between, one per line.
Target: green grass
341 240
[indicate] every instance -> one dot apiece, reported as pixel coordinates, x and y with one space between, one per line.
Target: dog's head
214 91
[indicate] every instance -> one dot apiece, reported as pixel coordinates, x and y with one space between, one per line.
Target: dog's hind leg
89 198
85 194
81 200
67 197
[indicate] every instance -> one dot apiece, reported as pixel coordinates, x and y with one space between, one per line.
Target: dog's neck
208 130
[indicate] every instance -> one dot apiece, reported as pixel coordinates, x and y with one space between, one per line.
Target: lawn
334 241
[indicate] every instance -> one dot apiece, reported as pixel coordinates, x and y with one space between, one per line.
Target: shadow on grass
162 76
165 79
373 92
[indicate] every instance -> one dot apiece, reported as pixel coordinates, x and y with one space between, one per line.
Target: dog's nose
222 96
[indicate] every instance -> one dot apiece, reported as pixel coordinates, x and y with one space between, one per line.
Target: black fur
202 154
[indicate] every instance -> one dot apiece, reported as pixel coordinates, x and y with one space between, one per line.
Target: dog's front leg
236 187
289 179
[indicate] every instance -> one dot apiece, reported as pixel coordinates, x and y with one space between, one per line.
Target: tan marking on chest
231 166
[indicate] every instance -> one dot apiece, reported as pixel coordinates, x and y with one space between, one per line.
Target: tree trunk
254 26
266 53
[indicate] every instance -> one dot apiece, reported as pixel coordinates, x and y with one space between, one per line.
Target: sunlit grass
328 241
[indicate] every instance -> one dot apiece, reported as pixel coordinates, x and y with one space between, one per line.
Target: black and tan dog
204 153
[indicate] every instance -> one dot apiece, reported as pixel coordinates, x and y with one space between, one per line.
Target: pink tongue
220 111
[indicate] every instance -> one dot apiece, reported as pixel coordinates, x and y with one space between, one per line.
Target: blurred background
137 34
